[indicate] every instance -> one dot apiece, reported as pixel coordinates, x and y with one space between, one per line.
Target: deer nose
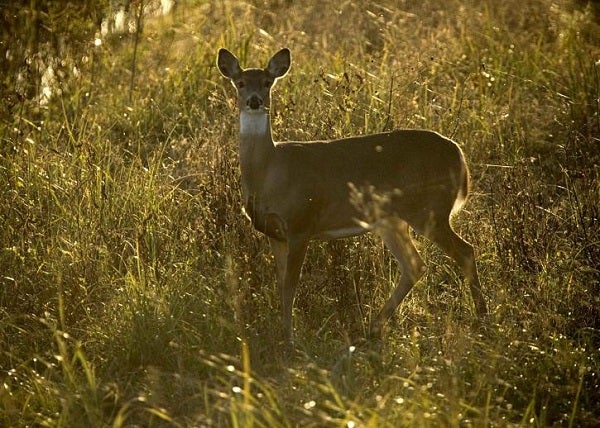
254 102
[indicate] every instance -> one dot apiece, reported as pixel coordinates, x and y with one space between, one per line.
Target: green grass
133 292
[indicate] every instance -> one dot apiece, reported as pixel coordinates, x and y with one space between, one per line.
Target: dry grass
134 293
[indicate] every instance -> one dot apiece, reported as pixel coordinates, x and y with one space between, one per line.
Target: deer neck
256 150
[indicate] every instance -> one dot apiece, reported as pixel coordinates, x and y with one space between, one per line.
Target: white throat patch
254 123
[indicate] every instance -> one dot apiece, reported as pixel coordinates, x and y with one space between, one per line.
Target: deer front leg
289 257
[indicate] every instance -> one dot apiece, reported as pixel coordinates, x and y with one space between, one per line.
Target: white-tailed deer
295 192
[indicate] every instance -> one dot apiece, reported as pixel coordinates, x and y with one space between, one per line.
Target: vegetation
133 292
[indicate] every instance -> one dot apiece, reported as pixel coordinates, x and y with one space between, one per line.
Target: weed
134 292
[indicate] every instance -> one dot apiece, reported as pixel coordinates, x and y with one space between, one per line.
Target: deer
297 192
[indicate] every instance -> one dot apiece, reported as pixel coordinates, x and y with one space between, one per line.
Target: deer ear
280 63
228 64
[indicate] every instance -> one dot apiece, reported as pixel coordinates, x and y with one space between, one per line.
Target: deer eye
241 84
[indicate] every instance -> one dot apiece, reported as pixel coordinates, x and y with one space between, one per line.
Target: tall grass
134 292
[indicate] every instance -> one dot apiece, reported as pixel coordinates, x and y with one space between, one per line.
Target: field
133 291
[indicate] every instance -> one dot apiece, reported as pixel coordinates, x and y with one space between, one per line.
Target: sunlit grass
134 292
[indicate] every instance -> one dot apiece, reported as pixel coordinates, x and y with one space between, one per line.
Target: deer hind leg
461 251
289 257
395 235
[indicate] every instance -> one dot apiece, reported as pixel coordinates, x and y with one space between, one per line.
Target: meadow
134 292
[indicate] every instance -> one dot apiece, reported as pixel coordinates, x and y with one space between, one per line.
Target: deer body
320 202
295 192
